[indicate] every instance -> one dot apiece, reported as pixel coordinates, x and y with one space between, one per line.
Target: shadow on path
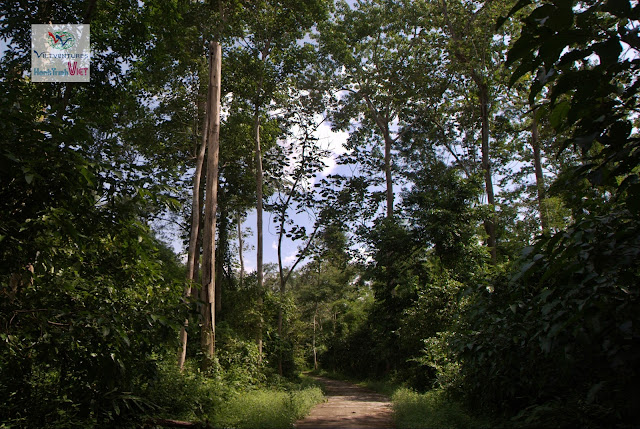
349 406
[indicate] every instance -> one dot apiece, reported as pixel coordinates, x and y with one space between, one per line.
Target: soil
349 406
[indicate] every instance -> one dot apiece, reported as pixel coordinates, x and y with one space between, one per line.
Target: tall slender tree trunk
489 223
313 341
383 125
282 290
537 163
259 250
387 172
283 279
213 140
240 248
194 248
483 94
223 245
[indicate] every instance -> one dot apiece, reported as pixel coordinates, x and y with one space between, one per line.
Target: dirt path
349 406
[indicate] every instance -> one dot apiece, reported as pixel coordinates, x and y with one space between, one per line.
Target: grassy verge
431 410
224 401
267 408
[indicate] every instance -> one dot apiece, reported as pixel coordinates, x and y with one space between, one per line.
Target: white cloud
289 259
274 245
333 141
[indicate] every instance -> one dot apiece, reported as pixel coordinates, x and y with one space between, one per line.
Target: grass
267 408
431 410
229 403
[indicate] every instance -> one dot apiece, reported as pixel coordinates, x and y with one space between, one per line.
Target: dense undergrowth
222 400
432 409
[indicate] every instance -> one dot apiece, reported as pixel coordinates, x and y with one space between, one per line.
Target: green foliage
571 313
238 358
82 328
555 342
576 53
267 408
423 329
89 298
348 338
222 399
431 410
88 294
187 395
86 288
440 211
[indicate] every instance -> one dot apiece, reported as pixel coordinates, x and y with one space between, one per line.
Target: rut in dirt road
349 406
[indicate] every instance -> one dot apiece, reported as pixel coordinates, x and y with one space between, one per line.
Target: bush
430 410
188 395
557 343
78 340
267 408
219 398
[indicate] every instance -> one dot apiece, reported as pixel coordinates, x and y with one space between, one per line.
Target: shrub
556 344
430 410
267 408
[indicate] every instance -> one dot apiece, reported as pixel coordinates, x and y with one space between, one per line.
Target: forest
475 237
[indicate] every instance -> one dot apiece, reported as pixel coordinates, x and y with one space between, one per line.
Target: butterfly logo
61 39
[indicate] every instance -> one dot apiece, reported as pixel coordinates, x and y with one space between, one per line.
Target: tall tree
475 52
211 201
371 65
193 254
572 305
295 193
270 53
212 22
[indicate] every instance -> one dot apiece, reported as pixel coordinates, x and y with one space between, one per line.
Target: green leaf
618 7
591 395
608 51
87 175
633 198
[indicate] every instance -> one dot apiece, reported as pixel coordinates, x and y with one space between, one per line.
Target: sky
334 142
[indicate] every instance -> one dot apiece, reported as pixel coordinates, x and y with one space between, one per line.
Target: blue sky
334 141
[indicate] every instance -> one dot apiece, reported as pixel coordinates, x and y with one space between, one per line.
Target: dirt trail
349 406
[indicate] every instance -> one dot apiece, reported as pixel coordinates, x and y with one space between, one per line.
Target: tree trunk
194 249
240 249
213 144
259 179
489 224
313 341
223 245
282 289
387 172
483 94
537 162
383 125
